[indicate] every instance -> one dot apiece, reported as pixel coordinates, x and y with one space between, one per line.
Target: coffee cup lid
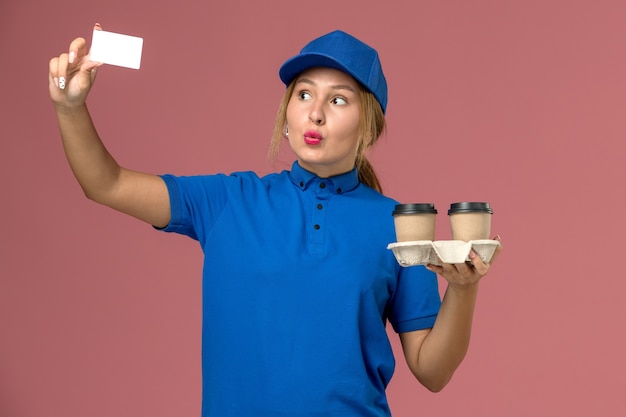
415 208
470 207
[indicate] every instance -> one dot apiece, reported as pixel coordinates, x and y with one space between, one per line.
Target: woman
297 282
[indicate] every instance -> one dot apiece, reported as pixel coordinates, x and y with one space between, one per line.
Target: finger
435 268
53 71
77 50
464 269
478 264
449 268
62 70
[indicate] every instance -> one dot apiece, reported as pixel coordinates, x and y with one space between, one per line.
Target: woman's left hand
466 274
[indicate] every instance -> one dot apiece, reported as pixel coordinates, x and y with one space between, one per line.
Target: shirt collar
342 183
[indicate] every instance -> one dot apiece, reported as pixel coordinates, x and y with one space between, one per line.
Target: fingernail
62 83
72 56
56 81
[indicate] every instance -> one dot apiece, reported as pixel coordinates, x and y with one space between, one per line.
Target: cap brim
294 66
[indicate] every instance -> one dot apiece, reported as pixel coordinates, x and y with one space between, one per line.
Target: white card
116 49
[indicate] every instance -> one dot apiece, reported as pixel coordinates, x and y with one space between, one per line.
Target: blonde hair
371 127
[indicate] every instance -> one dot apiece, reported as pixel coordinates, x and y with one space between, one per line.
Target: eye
304 95
340 101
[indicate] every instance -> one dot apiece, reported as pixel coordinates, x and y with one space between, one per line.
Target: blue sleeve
416 301
195 203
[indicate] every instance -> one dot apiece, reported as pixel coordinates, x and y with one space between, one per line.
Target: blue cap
346 53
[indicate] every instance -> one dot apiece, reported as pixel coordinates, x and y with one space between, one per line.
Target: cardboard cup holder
423 252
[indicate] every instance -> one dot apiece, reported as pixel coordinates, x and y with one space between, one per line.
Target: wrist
463 290
69 109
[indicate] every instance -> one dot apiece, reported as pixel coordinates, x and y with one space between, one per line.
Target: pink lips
312 137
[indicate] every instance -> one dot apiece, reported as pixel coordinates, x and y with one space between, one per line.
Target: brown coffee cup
470 220
414 222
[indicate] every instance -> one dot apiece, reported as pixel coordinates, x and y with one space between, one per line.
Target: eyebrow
334 87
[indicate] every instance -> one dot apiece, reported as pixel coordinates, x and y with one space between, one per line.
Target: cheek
289 112
349 129
292 121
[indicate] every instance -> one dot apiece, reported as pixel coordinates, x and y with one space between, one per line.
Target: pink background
519 103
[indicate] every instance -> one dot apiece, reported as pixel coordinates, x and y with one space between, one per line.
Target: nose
316 115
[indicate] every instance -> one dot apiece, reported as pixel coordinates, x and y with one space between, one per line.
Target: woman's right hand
72 74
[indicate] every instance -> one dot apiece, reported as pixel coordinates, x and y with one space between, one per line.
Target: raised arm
434 355
102 179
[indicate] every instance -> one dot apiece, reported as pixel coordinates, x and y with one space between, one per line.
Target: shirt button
319 206
339 190
301 184
323 185
316 227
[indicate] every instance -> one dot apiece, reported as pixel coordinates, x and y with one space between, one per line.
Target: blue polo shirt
297 288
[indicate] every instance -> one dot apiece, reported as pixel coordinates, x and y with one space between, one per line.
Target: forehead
326 75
